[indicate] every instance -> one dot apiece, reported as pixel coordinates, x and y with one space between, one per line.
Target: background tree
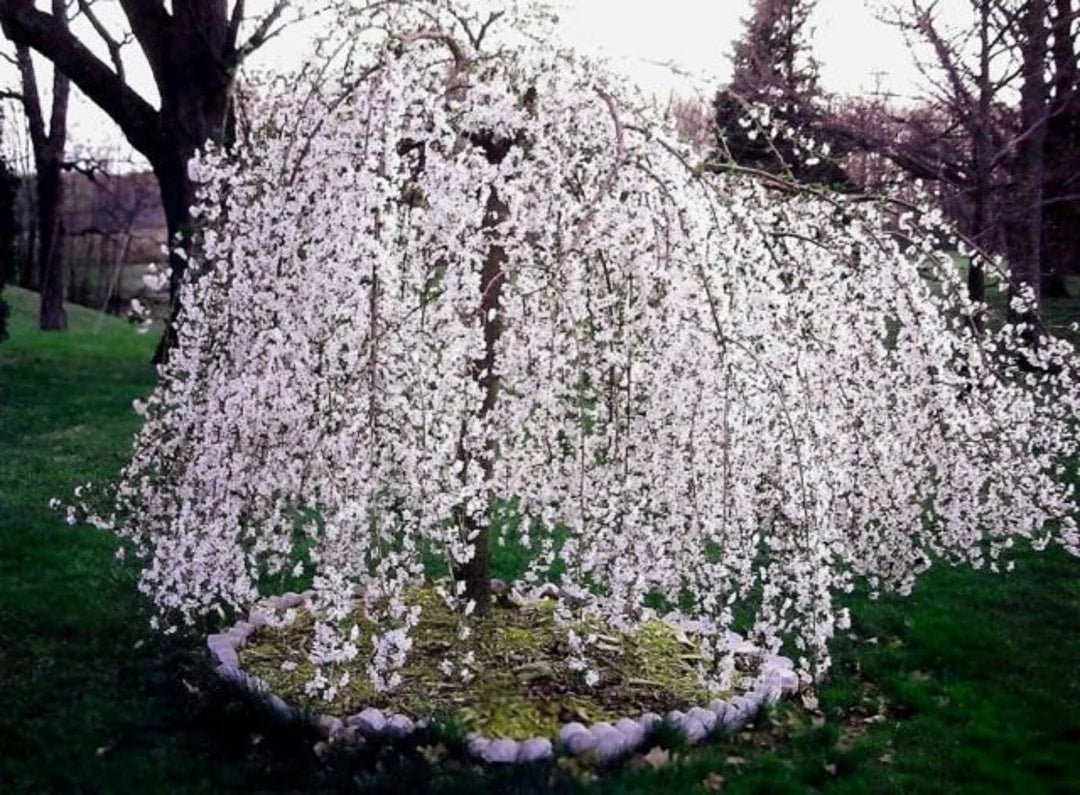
996 131
48 145
8 185
194 49
775 71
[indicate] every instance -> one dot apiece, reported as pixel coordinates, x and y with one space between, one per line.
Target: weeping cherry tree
469 273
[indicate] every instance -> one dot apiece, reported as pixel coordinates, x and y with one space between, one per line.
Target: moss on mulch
523 686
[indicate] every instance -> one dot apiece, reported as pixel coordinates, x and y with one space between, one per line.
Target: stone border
603 741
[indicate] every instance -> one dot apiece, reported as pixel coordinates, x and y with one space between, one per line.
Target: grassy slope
971 685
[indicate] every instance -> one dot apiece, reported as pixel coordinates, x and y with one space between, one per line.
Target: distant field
969 686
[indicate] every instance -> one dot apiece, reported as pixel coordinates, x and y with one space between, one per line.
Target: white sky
849 41
857 52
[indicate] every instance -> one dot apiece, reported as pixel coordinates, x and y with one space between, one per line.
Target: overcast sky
857 52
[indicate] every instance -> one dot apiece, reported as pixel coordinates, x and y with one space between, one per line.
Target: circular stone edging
602 741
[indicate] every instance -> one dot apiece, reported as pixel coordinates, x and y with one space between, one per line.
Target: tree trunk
177 193
477 572
48 146
50 190
982 157
1061 220
1027 270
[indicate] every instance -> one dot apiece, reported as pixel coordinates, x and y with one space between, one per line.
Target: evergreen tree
765 113
772 61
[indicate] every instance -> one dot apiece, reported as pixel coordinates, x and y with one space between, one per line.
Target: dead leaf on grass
657 757
713 782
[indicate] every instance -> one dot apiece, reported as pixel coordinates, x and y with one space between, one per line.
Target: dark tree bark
1061 219
1027 258
48 146
193 51
982 159
9 184
476 574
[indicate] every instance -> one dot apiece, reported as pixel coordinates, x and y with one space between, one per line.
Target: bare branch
263 32
27 26
85 6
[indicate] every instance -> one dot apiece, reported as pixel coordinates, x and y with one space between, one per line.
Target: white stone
779 662
580 743
733 718
329 725
649 721
603 727
280 709
399 726
230 673
548 590
675 716
223 647
258 618
476 743
704 716
610 745
739 703
501 751
290 599
569 730
535 750
633 731
693 729
789 682
370 722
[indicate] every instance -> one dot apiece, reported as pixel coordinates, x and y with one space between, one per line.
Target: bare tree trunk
1061 219
53 289
1027 269
476 574
177 193
982 156
48 160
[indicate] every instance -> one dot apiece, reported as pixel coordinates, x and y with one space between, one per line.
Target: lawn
973 684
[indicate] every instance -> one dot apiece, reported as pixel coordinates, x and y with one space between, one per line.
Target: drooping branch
609 180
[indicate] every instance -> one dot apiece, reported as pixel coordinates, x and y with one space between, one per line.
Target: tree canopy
465 276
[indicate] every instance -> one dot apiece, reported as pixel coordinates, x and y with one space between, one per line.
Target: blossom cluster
727 394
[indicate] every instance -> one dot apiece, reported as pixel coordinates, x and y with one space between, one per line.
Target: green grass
972 685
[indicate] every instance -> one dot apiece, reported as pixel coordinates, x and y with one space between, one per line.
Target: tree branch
85 6
29 27
152 27
262 33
